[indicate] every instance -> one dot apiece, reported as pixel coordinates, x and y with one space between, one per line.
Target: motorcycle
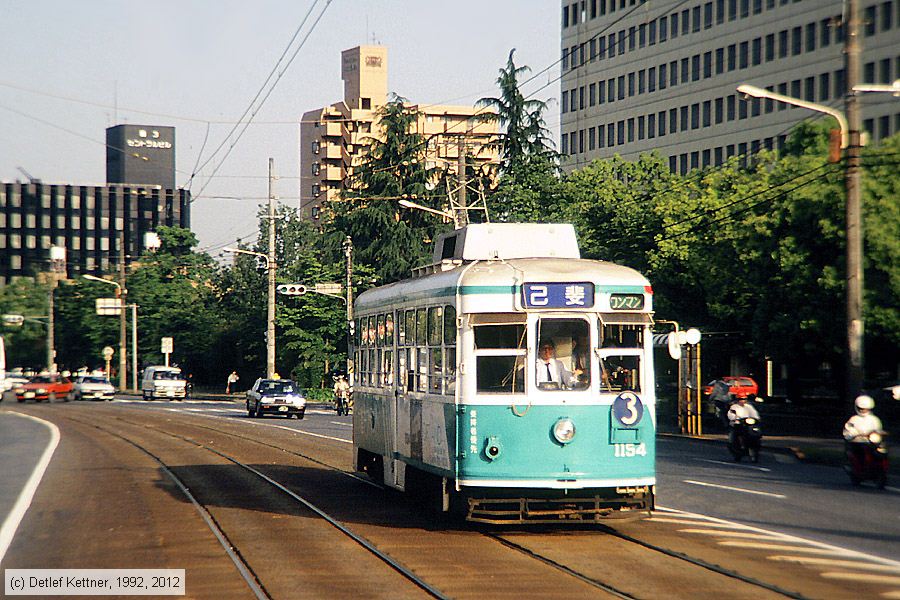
745 439
343 403
868 459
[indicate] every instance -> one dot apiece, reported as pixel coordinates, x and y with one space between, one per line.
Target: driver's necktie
549 375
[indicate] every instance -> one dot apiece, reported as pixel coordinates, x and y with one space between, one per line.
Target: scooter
746 439
868 459
343 403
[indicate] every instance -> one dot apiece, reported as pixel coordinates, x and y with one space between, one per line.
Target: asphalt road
101 504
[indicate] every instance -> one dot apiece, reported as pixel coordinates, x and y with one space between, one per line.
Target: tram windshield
500 358
563 355
620 362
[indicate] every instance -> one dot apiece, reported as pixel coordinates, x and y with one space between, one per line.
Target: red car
739 387
45 387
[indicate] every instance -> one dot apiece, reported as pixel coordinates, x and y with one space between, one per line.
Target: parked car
50 387
739 387
93 387
275 396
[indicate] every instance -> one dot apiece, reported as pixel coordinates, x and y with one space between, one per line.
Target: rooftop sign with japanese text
558 295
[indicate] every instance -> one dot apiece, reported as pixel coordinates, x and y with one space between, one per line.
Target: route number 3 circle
628 409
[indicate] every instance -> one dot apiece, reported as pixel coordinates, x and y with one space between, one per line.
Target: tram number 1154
630 450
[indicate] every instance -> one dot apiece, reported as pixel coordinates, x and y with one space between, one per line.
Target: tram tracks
582 575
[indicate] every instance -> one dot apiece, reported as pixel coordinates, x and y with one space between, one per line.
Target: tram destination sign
558 295
626 301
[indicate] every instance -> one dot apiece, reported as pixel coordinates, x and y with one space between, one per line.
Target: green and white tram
510 379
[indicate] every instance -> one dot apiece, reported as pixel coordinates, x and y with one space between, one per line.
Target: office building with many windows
641 76
335 139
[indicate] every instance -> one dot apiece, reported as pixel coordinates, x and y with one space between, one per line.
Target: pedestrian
232 380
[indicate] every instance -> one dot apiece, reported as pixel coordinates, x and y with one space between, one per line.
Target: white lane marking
784 548
831 562
693 522
815 547
893 595
733 489
15 516
892 489
731 464
752 535
863 577
341 423
255 422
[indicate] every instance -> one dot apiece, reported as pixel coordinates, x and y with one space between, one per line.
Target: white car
93 387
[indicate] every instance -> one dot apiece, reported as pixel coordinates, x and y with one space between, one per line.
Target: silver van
163 382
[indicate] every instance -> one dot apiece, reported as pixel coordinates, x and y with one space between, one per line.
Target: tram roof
503 277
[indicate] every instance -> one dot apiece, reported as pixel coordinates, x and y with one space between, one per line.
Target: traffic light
292 289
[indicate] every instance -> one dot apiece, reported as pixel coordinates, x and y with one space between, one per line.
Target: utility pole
462 214
270 314
57 269
855 328
123 297
348 263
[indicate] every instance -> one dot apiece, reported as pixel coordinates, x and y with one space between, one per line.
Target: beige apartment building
334 139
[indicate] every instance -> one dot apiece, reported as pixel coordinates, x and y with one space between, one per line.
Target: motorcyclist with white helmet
864 422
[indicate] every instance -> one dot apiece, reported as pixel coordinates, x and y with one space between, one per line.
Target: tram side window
620 362
410 320
500 358
449 350
563 355
435 353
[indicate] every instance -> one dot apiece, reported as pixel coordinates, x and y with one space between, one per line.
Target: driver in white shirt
548 368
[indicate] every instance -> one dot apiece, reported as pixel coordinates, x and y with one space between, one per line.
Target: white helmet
864 403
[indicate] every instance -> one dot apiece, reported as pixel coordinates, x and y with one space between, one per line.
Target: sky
72 69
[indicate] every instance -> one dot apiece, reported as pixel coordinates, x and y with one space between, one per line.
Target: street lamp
123 359
410 204
893 88
850 140
755 92
270 312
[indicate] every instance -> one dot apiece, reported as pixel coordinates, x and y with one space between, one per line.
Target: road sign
109 306
13 320
108 352
333 289
292 289
166 345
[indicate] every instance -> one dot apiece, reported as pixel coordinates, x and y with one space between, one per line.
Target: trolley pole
348 260
855 324
270 313
123 328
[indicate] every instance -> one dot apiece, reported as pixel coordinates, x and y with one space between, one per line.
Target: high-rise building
334 139
641 76
96 224
140 154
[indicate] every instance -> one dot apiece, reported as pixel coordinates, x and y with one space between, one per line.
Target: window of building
612 45
673 73
770 47
870 20
565 59
651 125
732 10
620 132
611 90
707 15
662 77
811 37
610 135
630 84
661 123
720 12
581 98
707 113
621 85
593 43
565 16
705 159
732 57
564 139
695 67
573 100
695 116
592 94
685 70
601 89
729 103
742 109
683 164
601 136
630 130
719 110
717 155
573 57
592 138
574 14
695 19
809 89
673 163
663 29
782 43
673 120
564 103
755 106
840 83
756 51
869 72
683 119
651 32
887 16
745 9
673 21
884 126
707 65
824 86
796 41
651 79
795 89
744 55
621 43
868 125
581 141
642 35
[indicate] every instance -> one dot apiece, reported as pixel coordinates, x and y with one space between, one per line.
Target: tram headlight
564 430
